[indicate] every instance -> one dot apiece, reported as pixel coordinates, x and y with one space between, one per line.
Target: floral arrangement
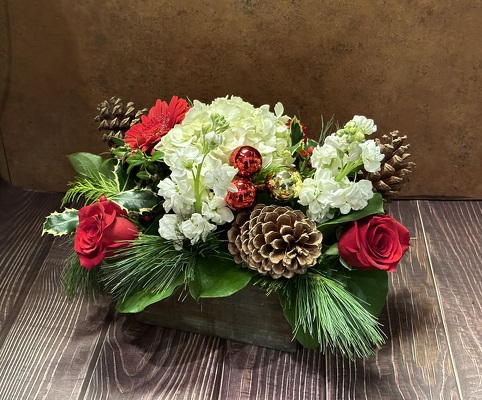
208 198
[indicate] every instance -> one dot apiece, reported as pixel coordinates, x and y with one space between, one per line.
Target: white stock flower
316 193
355 196
326 156
218 176
196 228
371 156
178 195
362 125
216 210
169 229
182 160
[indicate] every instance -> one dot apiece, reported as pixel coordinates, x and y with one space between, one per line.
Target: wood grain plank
48 348
415 362
21 215
454 240
139 361
251 372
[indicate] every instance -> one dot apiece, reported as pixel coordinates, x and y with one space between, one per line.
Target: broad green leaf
139 301
124 179
218 277
135 200
63 223
117 141
374 206
370 287
301 336
296 131
89 165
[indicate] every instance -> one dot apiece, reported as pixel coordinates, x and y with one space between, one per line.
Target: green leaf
117 141
218 277
374 206
124 179
369 287
64 223
157 155
135 200
143 175
308 341
140 300
296 131
89 165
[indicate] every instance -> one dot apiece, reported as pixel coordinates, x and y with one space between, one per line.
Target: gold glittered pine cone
275 240
116 118
395 168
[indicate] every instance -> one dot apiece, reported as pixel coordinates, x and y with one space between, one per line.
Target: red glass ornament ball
244 197
247 160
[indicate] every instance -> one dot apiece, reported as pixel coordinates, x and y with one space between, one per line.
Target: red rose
376 241
102 228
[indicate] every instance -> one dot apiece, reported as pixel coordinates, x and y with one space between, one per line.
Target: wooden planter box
248 316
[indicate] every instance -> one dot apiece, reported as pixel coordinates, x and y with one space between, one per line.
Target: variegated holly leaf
63 223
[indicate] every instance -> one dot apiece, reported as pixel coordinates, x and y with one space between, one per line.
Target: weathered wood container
248 316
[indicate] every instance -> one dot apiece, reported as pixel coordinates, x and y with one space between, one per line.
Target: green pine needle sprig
321 308
91 188
149 263
77 280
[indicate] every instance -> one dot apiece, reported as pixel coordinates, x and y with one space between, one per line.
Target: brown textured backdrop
411 66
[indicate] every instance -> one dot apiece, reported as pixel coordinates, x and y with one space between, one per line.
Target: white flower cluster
197 152
342 153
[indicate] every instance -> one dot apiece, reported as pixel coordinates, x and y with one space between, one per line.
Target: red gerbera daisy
160 120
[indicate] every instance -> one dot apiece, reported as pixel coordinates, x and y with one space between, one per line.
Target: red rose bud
103 227
377 241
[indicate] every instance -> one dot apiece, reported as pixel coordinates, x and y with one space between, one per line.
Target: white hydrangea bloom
248 125
371 155
196 228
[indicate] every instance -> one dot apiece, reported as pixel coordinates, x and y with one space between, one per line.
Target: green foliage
322 312
140 300
374 206
206 268
63 223
78 280
296 131
124 275
217 275
369 287
136 200
325 129
95 178
87 164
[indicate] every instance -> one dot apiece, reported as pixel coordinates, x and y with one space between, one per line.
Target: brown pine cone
116 118
275 240
395 169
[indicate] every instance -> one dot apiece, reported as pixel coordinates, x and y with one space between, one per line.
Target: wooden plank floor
53 348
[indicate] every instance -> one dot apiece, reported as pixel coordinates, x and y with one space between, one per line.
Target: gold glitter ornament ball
284 185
